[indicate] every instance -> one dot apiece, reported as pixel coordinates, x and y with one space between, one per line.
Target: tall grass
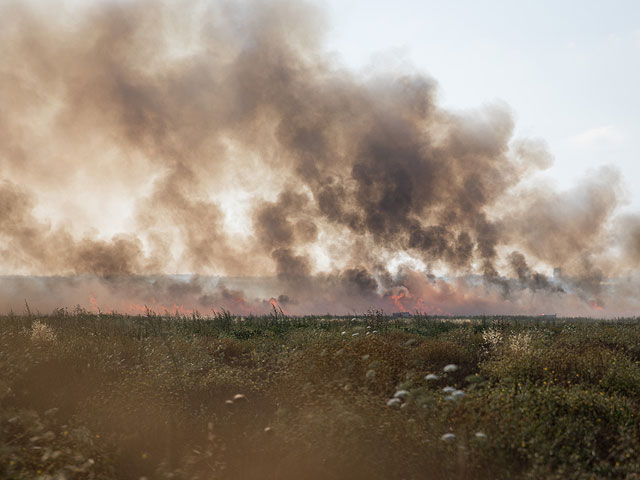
188 397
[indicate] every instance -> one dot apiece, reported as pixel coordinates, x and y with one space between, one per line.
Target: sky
568 70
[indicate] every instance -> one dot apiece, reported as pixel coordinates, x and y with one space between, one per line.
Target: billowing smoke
143 140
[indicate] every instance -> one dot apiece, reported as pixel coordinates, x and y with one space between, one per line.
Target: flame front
226 144
396 300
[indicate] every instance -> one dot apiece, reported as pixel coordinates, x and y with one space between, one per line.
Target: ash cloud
131 131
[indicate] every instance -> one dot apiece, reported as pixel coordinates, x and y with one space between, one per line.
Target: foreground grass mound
110 396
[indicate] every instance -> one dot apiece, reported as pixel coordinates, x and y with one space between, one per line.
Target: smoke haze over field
140 140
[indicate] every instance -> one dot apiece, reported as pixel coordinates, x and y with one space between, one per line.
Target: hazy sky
569 70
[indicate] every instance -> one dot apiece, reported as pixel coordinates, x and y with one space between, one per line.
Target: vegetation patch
172 397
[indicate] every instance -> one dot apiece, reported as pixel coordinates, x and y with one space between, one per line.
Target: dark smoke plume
144 139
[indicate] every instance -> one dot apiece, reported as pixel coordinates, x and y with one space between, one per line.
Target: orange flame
95 308
396 300
154 307
132 308
274 303
595 305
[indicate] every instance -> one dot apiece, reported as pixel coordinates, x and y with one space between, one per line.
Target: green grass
112 396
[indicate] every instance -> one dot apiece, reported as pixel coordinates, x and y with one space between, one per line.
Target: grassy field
110 396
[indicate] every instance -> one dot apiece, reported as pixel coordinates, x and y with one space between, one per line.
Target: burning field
194 155
204 216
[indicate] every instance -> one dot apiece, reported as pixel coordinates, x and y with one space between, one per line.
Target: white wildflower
448 437
457 394
41 332
431 376
402 394
239 397
460 321
450 368
492 338
394 402
448 389
481 436
520 342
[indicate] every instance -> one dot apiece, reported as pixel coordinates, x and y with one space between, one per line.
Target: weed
193 397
